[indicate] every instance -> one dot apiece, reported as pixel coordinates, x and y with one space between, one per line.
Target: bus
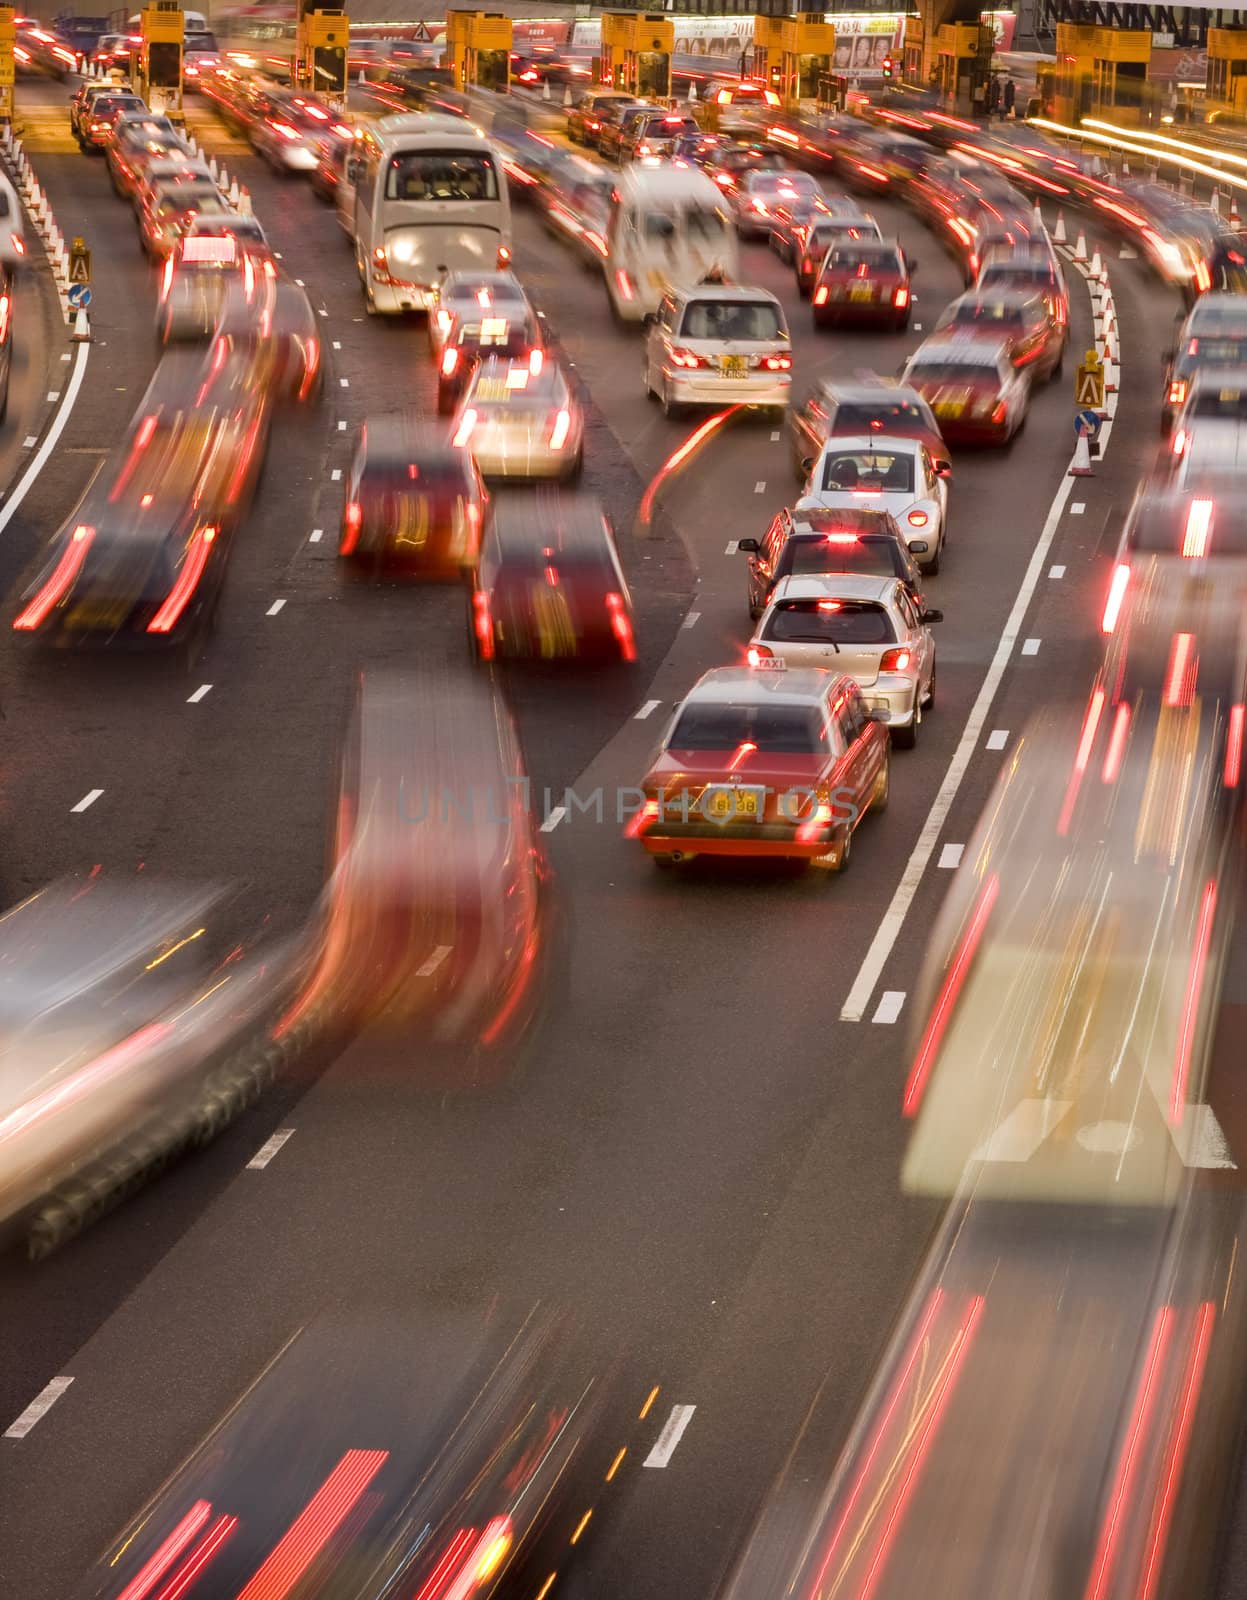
430 199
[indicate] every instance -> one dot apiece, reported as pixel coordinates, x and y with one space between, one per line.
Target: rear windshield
731 319
469 289
441 175
876 558
501 333
953 371
406 479
836 228
856 255
878 471
990 312
771 729
1216 352
779 183
1004 275
862 418
519 388
107 104
830 622
1210 401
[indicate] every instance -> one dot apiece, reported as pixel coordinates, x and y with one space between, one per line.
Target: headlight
403 251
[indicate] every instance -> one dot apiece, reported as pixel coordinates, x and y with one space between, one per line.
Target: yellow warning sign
79 262
1089 382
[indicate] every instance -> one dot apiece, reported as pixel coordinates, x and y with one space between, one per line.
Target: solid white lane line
692 619
672 1433
439 955
194 699
647 709
50 440
1030 647
38 1407
1056 572
316 535
553 820
889 1007
274 608
997 739
950 856
731 547
88 799
268 1150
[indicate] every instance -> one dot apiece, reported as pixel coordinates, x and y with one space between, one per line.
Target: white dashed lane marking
1077 509
1056 572
648 709
316 535
731 548
553 820
760 486
29 442
38 1407
950 856
997 739
692 619
194 699
439 955
1030 647
336 474
274 608
88 799
889 1007
269 1149
669 1438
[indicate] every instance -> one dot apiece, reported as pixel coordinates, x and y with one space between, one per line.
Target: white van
430 199
669 228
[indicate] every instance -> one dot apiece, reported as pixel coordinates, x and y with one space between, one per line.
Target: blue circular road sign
79 296
1088 423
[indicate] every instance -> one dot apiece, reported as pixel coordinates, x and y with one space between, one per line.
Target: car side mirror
747 547
918 547
807 463
943 469
932 616
650 318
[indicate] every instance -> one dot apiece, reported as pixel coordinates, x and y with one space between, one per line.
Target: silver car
866 626
461 293
1210 435
520 420
875 472
719 345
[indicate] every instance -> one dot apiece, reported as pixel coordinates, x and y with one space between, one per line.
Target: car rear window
519 388
808 558
882 416
1215 352
876 471
952 370
771 729
407 479
859 255
1211 401
731 319
830 622
977 314
504 333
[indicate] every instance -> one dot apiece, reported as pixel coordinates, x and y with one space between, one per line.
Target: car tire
932 568
846 852
907 738
883 785
573 473
804 290
901 325
649 388
671 408
445 402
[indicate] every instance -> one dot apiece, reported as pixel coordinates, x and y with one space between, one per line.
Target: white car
869 627
12 232
876 473
462 292
520 420
1210 434
719 345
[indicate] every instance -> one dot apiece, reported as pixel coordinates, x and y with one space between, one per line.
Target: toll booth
8 37
913 50
162 29
320 51
1227 68
636 52
478 50
1101 72
793 55
962 64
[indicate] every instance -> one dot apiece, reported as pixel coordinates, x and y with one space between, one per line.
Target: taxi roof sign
210 247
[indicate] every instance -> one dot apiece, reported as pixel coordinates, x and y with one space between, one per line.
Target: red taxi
138 140
197 276
106 110
765 763
863 282
412 499
1036 339
505 331
975 392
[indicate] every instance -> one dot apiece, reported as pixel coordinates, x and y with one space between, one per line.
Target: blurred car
895 475
467 294
655 134
1210 433
791 222
12 228
332 150
575 206
816 543
549 584
615 125
863 281
1168 521
137 141
6 342
719 345
1213 335
764 763
1035 338
479 332
976 393
412 500
737 105
814 239
755 195
197 276
1033 269
584 119
833 408
734 160
112 51
169 210
866 626
169 167
520 420
288 133
85 96
96 121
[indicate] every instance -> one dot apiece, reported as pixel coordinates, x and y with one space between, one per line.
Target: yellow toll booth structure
162 29
636 53
1101 72
1227 69
8 38
320 52
478 50
794 55
961 65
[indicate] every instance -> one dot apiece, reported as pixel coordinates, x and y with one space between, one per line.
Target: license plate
862 292
89 615
736 802
736 365
950 408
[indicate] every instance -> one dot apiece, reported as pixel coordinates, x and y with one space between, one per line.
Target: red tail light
58 585
777 363
821 294
166 279
686 358
1000 414
19 243
1234 748
621 625
894 660
1177 391
4 318
560 430
483 623
466 428
187 582
1203 278
504 257
758 652
901 299
354 526
1116 594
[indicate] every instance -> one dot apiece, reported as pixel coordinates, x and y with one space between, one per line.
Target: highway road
703 1152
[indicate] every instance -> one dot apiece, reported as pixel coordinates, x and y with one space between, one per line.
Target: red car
976 393
864 282
1035 337
765 763
96 129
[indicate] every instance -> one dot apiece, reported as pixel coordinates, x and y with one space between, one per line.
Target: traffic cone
1037 217
234 194
1081 466
223 182
212 168
1236 221
567 97
1096 270
1080 249
1214 205
244 203
82 329
545 90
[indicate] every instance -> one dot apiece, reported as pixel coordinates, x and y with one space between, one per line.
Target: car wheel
932 568
883 785
670 408
804 289
649 387
572 475
907 738
445 402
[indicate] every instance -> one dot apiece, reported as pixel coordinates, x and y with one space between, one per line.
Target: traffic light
887 66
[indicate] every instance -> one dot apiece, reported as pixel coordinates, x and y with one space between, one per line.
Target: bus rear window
441 175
